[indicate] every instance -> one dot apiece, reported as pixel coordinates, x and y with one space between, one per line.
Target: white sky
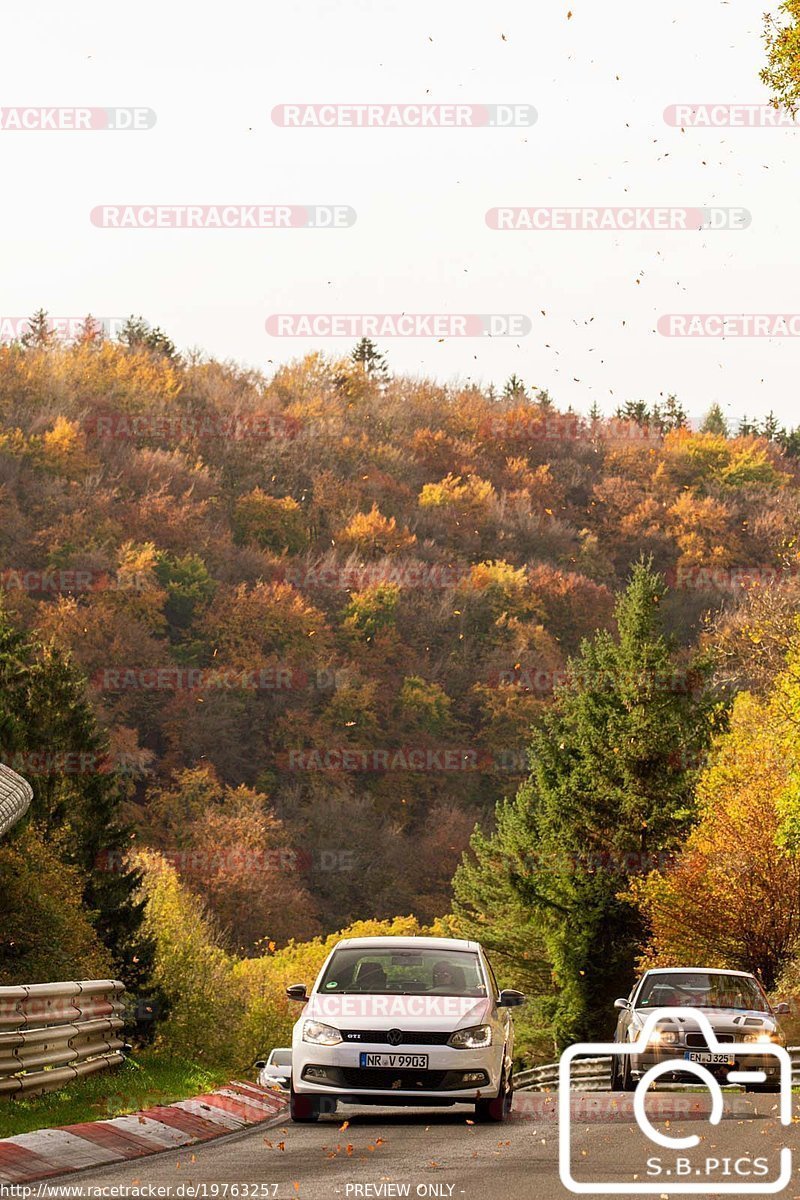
214 72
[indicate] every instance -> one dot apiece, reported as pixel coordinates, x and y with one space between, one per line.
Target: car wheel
498 1108
626 1083
615 1082
303 1110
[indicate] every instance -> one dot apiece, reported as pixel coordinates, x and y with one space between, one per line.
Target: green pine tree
46 718
40 333
607 795
673 415
138 334
369 356
714 422
771 427
637 411
514 388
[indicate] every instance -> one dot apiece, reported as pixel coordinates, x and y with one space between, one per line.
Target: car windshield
407 972
699 989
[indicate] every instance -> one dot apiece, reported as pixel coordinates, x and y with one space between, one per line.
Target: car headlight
321 1035
474 1038
664 1037
765 1039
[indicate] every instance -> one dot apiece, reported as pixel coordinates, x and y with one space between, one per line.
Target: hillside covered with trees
298 634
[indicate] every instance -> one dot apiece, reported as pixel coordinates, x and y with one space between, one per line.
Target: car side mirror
510 998
260 1063
782 1009
622 1003
297 991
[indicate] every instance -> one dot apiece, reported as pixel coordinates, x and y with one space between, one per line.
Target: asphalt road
381 1152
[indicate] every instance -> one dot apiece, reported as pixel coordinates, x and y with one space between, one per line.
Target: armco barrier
589 1075
52 1033
15 798
594 1075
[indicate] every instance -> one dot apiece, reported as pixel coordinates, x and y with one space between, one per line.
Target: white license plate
708 1059
401 1062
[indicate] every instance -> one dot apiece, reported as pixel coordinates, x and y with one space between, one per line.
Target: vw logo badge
394 1037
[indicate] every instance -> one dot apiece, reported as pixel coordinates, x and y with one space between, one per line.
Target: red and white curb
48 1152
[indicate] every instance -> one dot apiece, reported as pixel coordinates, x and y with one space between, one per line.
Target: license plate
708 1059
401 1062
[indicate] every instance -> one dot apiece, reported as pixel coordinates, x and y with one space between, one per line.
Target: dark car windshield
406 972
699 989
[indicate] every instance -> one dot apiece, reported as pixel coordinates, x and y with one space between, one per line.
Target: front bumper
741 1062
452 1076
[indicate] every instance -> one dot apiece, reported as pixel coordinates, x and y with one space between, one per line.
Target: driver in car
448 978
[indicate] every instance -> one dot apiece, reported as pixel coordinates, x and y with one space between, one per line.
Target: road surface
429 1153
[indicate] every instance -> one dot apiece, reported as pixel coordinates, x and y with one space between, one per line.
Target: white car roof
416 943
697 971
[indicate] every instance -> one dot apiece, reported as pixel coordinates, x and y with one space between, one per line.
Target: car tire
499 1107
626 1083
303 1110
614 1085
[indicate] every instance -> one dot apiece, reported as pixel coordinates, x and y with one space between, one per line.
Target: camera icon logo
683 1169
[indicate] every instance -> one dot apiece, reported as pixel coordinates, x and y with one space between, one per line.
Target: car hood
739 1023
394 1011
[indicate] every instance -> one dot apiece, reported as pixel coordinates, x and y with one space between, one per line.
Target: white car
403 1021
275 1071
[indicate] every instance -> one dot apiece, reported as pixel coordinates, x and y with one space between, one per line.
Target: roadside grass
143 1081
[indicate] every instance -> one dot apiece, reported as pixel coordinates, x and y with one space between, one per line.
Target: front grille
384 1079
380 1037
698 1040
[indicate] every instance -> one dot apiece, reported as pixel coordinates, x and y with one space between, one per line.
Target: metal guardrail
594 1075
589 1075
52 1033
15 798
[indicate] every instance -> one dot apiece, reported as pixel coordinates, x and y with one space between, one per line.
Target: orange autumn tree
373 534
230 848
731 897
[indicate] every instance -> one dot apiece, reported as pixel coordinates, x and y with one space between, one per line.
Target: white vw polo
407 1021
